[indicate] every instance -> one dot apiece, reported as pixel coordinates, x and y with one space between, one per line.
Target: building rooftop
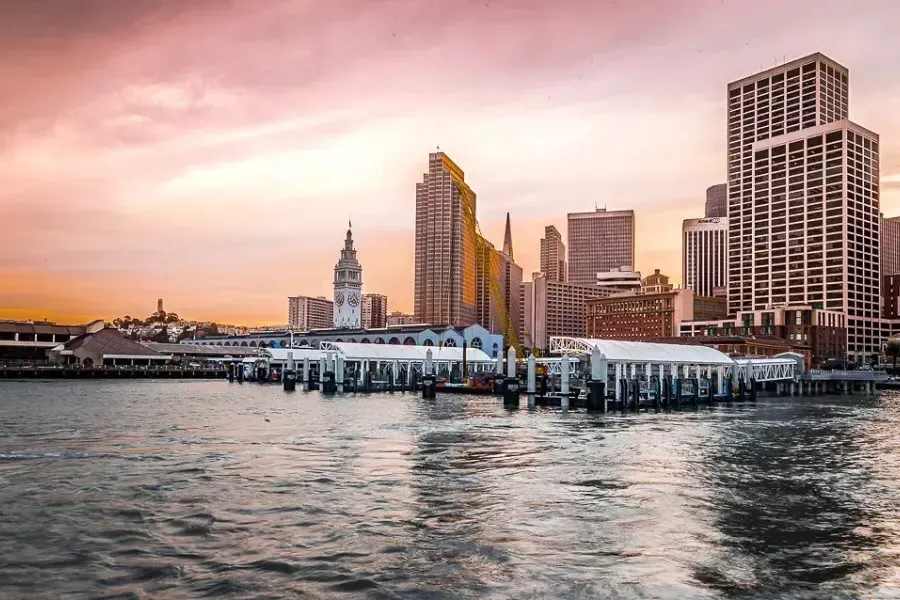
793 64
601 212
196 350
704 340
19 327
410 328
108 341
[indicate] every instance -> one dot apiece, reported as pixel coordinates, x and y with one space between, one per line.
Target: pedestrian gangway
786 368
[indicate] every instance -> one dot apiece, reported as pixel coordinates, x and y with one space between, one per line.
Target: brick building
823 331
639 316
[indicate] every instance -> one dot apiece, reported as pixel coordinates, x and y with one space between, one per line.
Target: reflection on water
205 489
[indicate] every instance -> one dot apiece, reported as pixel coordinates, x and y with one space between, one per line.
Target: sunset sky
211 152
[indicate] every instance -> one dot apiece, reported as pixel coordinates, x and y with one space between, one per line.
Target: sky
212 152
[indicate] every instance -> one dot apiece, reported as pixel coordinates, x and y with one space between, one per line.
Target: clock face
354 299
339 298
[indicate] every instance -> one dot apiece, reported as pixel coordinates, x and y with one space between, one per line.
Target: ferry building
348 322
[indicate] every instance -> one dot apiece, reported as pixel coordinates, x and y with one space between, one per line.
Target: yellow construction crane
489 264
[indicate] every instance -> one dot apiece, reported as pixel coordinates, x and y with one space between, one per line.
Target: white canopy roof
280 354
392 352
642 352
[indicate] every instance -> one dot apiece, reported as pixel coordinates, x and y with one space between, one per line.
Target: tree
162 336
172 318
892 350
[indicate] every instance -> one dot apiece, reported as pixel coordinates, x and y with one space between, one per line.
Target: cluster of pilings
603 394
329 374
110 372
819 387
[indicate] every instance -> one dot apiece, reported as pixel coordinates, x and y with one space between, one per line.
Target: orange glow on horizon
166 153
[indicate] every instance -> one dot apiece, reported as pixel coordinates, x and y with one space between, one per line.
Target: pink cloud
216 150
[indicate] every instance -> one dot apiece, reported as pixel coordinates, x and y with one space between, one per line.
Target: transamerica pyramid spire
507 240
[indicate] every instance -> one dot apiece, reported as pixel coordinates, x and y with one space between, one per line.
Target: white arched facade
474 336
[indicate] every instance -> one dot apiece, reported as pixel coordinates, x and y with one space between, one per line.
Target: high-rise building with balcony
704 256
599 241
553 254
803 198
445 245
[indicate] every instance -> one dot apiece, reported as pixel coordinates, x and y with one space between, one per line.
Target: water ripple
204 489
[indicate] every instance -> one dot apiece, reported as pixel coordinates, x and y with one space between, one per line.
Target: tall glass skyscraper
445 245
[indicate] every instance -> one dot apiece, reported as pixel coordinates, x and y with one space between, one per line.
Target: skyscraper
553 254
890 267
348 287
487 262
445 245
803 198
716 201
498 288
599 241
704 259
512 286
890 246
374 311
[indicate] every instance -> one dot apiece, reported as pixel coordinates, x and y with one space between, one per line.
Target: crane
489 260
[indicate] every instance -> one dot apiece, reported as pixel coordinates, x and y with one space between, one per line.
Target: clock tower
348 287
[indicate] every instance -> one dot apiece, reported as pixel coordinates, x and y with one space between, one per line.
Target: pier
38 371
601 375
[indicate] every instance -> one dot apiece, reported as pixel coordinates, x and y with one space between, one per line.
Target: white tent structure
280 355
409 359
632 359
641 352
380 360
391 352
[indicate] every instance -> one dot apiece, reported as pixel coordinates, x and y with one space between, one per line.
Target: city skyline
144 162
